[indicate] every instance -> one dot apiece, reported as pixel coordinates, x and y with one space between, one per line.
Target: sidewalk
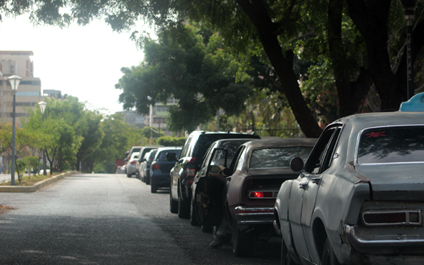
5 177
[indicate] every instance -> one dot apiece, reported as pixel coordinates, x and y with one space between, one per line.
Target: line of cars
355 195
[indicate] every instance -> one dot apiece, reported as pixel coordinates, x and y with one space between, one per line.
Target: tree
191 67
361 41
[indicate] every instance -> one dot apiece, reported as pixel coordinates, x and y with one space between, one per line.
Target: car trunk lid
403 182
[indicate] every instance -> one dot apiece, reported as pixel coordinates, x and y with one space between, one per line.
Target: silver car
131 164
360 196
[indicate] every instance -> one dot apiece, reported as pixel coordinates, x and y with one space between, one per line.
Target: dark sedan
256 174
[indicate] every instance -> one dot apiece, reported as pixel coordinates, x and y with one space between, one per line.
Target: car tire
286 259
128 175
328 256
173 205
243 243
193 214
183 208
153 188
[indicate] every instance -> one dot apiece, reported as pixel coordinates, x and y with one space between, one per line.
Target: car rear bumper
159 179
384 248
254 215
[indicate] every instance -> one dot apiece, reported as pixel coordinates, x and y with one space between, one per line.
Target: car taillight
155 166
192 160
191 172
262 194
133 162
401 217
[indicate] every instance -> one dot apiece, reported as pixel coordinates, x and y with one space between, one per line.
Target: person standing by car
221 233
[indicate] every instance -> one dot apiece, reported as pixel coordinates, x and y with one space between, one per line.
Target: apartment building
29 90
159 114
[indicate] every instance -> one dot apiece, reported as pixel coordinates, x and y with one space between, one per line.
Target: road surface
107 219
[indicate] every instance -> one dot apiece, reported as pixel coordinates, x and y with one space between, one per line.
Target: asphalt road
107 219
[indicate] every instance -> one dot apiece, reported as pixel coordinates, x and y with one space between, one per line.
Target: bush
171 141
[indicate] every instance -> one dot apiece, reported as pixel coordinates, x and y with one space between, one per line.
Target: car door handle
303 185
316 180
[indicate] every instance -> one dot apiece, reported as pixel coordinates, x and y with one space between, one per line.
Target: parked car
360 197
202 179
128 154
130 167
145 166
161 166
143 151
256 174
191 157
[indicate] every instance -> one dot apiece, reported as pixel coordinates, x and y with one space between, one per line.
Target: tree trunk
351 95
282 63
371 19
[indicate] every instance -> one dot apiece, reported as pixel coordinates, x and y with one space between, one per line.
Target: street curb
37 185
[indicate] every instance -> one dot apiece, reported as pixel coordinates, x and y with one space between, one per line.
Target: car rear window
277 156
391 145
162 155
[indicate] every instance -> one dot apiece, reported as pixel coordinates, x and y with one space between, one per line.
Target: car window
219 158
184 152
395 144
277 156
321 156
162 155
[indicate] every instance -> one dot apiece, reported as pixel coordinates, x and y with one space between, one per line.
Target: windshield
278 157
391 145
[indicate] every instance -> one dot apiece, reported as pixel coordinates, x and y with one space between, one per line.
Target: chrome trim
406 212
358 137
350 231
255 210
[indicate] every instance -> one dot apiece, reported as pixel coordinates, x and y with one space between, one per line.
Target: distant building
159 116
29 90
52 93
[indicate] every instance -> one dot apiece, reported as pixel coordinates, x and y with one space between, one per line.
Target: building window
28 93
12 69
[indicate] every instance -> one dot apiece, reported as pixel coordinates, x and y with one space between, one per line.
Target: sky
81 61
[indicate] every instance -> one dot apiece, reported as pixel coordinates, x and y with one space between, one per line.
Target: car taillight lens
133 162
155 166
401 217
191 172
192 160
261 194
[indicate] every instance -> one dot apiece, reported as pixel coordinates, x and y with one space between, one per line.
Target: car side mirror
171 157
214 169
296 164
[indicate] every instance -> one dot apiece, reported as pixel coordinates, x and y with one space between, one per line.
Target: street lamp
14 81
43 105
409 14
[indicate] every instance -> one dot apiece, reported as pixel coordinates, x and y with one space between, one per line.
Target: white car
131 164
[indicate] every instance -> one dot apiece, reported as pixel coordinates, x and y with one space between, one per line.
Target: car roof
278 142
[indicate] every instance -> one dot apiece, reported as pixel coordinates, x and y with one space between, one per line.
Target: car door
305 188
209 196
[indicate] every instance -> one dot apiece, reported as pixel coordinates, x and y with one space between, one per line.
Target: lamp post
14 81
150 119
43 105
409 14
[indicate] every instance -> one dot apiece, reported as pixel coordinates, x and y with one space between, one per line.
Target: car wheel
286 259
193 214
183 208
153 188
328 256
243 243
173 205
128 175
